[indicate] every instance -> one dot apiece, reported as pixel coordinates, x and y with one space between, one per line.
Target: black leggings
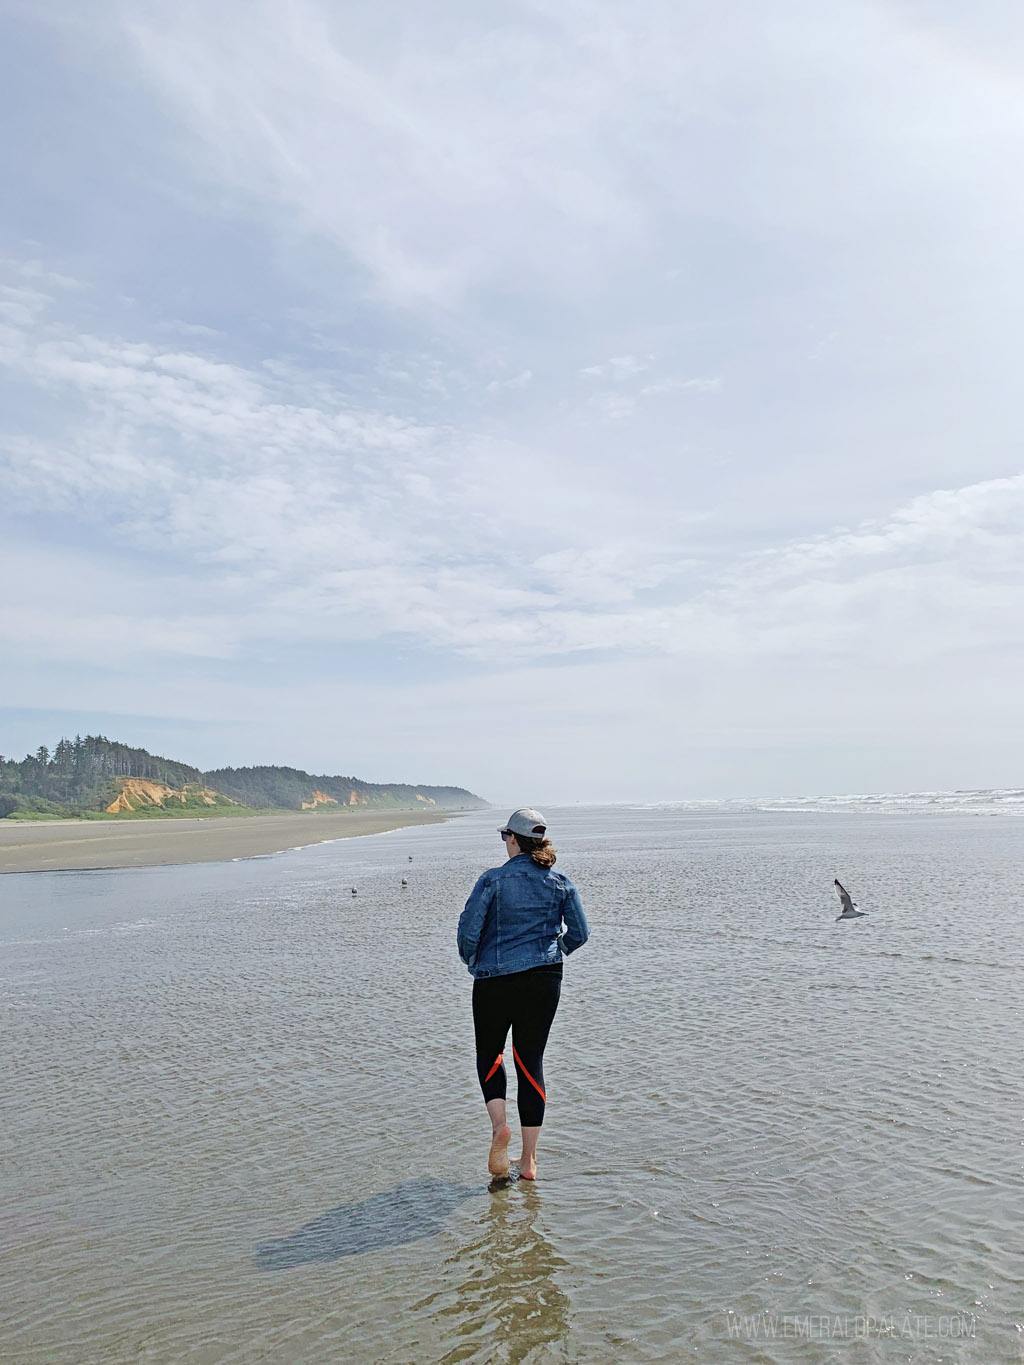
526 1003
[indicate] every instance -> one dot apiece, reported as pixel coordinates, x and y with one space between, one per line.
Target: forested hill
96 776
293 789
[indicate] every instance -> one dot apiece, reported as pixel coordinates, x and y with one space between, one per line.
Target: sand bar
74 845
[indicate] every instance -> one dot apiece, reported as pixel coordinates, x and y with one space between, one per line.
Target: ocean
242 1124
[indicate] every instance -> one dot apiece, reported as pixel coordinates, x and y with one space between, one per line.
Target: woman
511 939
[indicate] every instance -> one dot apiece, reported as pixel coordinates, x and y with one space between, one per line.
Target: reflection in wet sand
500 1299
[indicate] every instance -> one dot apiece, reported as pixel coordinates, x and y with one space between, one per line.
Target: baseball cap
530 823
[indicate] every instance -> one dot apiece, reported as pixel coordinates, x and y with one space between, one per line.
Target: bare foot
527 1167
497 1160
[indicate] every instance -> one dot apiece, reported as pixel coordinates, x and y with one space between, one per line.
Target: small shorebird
355 892
849 905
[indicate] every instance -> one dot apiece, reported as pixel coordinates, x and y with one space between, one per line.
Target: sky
570 401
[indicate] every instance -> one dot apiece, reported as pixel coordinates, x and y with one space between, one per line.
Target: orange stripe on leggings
519 1064
494 1067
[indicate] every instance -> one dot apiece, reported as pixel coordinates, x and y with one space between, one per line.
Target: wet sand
75 845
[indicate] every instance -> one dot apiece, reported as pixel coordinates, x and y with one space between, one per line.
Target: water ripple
247 1125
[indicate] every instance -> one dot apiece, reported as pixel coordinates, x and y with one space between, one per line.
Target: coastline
80 845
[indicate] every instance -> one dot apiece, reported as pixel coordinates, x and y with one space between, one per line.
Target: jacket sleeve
577 930
471 921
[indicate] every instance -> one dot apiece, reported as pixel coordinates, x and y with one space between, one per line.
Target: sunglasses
504 834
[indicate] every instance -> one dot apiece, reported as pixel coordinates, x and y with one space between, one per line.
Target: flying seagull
850 910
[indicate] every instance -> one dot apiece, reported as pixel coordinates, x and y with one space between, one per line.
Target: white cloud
617 368
73 638
550 147
191 329
978 526
698 384
344 522
613 406
518 381
383 145
321 521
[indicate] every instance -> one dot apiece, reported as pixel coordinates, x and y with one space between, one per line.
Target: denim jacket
513 919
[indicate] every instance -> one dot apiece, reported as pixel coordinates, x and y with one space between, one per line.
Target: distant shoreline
83 845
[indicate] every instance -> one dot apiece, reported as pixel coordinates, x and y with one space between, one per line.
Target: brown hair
540 850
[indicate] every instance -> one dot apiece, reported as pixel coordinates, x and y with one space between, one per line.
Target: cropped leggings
526 1003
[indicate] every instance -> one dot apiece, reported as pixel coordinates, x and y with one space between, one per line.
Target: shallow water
241 1120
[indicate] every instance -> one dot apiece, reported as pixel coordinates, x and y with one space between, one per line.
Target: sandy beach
74 845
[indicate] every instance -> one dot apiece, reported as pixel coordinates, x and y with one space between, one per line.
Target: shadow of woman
499 1293
411 1211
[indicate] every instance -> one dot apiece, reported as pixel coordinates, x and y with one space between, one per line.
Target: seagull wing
845 899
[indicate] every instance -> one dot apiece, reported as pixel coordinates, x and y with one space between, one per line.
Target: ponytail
542 851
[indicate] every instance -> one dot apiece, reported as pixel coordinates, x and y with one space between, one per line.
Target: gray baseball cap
525 821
